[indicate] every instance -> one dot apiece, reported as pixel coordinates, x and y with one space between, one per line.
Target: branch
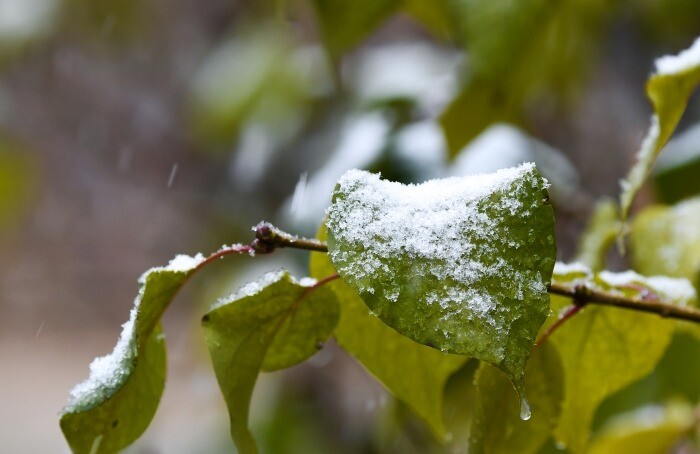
268 238
581 294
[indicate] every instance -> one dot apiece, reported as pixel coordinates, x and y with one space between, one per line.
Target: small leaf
604 349
459 264
273 323
668 89
652 429
412 372
113 407
664 240
497 427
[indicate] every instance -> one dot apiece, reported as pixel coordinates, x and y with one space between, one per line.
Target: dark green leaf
114 406
668 89
414 373
497 427
460 264
273 323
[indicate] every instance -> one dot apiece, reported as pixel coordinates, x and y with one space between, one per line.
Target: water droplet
560 445
525 412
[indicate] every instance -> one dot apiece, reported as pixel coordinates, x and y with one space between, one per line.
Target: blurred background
131 131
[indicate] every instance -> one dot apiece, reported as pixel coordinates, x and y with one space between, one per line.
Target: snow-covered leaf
497 427
412 372
459 264
668 89
113 407
269 324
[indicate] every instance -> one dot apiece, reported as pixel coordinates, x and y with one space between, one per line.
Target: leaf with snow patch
497 427
651 429
600 346
113 407
666 240
269 324
459 264
412 372
668 89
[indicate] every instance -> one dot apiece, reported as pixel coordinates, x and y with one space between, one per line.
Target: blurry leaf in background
115 21
503 145
653 429
671 21
497 426
674 80
344 24
665 240
421 73
676 172
22 22
412 372
19 179
675 379
270 324
540 51
259 76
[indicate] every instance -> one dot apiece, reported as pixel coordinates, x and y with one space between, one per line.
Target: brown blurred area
96 105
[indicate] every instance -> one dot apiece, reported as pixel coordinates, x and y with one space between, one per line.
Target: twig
268 238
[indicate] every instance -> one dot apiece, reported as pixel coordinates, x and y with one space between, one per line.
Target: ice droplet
525 412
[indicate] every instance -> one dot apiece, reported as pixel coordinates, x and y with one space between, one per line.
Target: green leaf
111 409
650 430
541 49
412 372
345 23
269 324
459 264
668 89
497 427
664 240
604 349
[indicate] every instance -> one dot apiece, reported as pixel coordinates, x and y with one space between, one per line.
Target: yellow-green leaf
668 89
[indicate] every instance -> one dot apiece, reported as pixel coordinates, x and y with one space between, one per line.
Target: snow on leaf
668 89
113 407
459 264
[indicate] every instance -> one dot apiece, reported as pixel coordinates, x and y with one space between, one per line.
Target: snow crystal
442 224
686 60
680 291
307 281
